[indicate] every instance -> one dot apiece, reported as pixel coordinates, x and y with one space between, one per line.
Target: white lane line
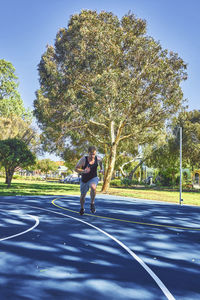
161 285
157 280
23 232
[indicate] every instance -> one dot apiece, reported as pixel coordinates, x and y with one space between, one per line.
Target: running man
87 167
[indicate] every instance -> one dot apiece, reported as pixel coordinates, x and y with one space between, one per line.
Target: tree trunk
173 179
122 171
124 164
110 169
6 182
130 176
9 176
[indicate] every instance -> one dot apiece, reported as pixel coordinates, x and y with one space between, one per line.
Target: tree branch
126 137
98 124
93 135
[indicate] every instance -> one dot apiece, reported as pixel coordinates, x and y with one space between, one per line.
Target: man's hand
87 170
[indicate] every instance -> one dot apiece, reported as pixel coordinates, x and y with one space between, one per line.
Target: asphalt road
130 249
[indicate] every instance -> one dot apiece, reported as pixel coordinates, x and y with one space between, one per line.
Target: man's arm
100 164
79 167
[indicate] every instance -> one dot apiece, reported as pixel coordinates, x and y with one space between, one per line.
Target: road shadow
63 258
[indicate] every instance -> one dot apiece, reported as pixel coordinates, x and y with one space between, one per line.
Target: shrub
129 182
116 182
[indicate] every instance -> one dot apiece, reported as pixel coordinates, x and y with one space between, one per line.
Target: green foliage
15 127
46 165
167 157
165 178
129 182
10 100
190 123
125 182
116 182
14 153
72 154
106 81
126 161
15 120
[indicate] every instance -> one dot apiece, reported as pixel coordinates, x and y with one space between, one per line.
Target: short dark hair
91 149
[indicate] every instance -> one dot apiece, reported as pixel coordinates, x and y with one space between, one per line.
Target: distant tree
190 123
16 127
46 165
15 120
133 159
14 153
166 159
10 100
107 81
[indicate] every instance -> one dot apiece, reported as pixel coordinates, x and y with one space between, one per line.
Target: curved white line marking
23 232
139 260
161 285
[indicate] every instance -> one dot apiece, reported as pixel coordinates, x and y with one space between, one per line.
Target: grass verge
20 187
189 198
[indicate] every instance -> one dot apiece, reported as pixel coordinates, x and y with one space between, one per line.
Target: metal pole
180 200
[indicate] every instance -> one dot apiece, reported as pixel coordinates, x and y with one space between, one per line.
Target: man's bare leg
82 203
82 200
92 196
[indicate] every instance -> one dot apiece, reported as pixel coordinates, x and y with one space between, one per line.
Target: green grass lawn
25 187
20 187
189 198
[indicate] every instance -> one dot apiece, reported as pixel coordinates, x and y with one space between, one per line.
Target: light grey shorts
85 186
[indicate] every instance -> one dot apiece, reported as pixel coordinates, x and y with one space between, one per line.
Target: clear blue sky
27 26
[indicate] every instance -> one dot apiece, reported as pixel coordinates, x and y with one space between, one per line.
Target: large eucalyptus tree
106 80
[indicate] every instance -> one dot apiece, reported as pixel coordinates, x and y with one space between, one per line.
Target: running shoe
82 210
92 208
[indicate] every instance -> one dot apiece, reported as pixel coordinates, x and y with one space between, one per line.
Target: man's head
92 151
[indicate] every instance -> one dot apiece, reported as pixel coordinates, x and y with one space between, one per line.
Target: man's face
92 154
